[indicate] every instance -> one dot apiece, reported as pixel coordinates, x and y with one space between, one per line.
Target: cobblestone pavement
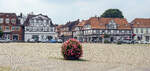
96 57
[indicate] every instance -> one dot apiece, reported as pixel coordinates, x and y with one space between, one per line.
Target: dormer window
87 26
112 25
7 20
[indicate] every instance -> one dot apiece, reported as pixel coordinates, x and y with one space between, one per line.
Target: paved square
96 57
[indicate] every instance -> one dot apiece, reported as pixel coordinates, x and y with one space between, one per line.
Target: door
112 39
147 38
15 37
35 37
7 37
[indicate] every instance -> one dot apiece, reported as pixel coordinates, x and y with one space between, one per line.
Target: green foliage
106 41
119 42
112 13
1 33
106 36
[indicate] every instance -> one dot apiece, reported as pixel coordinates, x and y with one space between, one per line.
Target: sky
62 11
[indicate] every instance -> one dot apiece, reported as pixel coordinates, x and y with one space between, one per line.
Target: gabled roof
141 23
30 16
72 24
100 23
82 23
11 15
8 14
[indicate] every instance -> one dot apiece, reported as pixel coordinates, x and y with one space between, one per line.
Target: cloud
66 10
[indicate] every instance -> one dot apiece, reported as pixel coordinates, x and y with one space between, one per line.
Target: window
17 28
51 29
13 28
1 20
13 21
112 31
123 31
7 20
147 30
47 21
7 28
141 30
137 30
31 21
0 27
27 29
44 21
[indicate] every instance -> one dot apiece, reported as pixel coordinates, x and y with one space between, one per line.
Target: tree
112 13
1 33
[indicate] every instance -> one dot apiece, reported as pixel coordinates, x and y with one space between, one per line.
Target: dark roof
72 24
11 15
32 15
8 14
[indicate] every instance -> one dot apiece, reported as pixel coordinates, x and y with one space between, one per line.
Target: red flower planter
71 49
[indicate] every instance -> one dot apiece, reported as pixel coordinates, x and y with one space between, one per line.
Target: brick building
10 26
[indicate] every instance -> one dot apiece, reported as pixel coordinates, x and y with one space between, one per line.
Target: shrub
71 49
119 42
106 41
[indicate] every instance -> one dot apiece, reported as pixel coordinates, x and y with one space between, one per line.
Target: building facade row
26 28
97 29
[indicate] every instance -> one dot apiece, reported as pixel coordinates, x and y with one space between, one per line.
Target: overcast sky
61 11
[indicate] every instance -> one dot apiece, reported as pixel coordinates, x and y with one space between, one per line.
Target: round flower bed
71 49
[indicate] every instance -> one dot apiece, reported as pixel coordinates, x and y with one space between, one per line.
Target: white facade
39 28
142 34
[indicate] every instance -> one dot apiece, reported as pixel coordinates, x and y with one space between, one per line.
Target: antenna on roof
21 14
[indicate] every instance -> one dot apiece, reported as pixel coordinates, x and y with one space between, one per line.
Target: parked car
125 41
52 41
44 41
59 41
5 41
144 42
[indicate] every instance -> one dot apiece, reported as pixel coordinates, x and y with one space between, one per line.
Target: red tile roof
141 23
100 23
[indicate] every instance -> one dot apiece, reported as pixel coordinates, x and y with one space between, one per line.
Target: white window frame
7 20
1 28
1 20
12 28
7 27
13 21
18 28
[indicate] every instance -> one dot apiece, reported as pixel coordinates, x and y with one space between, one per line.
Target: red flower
72 49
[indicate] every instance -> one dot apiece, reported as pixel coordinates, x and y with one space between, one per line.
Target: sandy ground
96 57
